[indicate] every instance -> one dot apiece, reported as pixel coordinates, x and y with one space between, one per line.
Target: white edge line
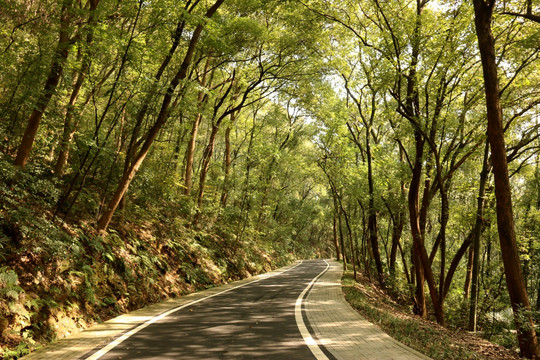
311 343
130 333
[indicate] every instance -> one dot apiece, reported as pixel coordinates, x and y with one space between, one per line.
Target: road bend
253 321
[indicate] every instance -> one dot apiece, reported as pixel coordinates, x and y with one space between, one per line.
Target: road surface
253 321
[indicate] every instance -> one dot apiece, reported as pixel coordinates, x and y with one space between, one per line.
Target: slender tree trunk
468 274
454 264
351 246
83 172
208 152
405 271
176 163
226 165
442 233
207 156
414 218
69 127
335 237
190 150
420 257
397 230
526 334
55 72
473 301
399 222
190 155
340 228
133 143
372 215
417 218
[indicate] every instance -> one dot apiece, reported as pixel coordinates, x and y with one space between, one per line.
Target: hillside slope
57 277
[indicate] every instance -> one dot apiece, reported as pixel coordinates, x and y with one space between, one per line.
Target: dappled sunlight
254 321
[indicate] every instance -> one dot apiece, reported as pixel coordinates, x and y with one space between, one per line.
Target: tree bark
226 165
468 274
207 156
340 230
335 237
477 232
190 150
351 246
372 215
416 232
526 334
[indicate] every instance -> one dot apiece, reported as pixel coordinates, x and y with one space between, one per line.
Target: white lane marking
130 333
311 343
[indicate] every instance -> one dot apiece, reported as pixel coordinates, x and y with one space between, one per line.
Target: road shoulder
344 332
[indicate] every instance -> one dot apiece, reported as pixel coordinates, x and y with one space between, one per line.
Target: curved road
254 320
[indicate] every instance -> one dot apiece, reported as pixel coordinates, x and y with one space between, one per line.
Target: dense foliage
194 142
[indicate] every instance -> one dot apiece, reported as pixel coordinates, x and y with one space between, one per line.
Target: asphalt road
255 321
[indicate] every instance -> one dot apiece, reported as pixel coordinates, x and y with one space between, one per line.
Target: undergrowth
58 277
422 335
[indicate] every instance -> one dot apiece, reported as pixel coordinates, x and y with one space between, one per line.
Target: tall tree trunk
177 36
55 72
420 257
397 230
190 150
416 232
335 237
372 215
337 210
349 231
226 165
454 264
398 220
473 301
442 232
207 156
105 219
69 126
209 150
84 169
526 334
468 274
409 280
417 216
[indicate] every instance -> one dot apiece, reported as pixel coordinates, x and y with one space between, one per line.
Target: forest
191 143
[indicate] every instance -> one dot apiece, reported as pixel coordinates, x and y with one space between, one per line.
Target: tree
528 341
65 40
162 117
